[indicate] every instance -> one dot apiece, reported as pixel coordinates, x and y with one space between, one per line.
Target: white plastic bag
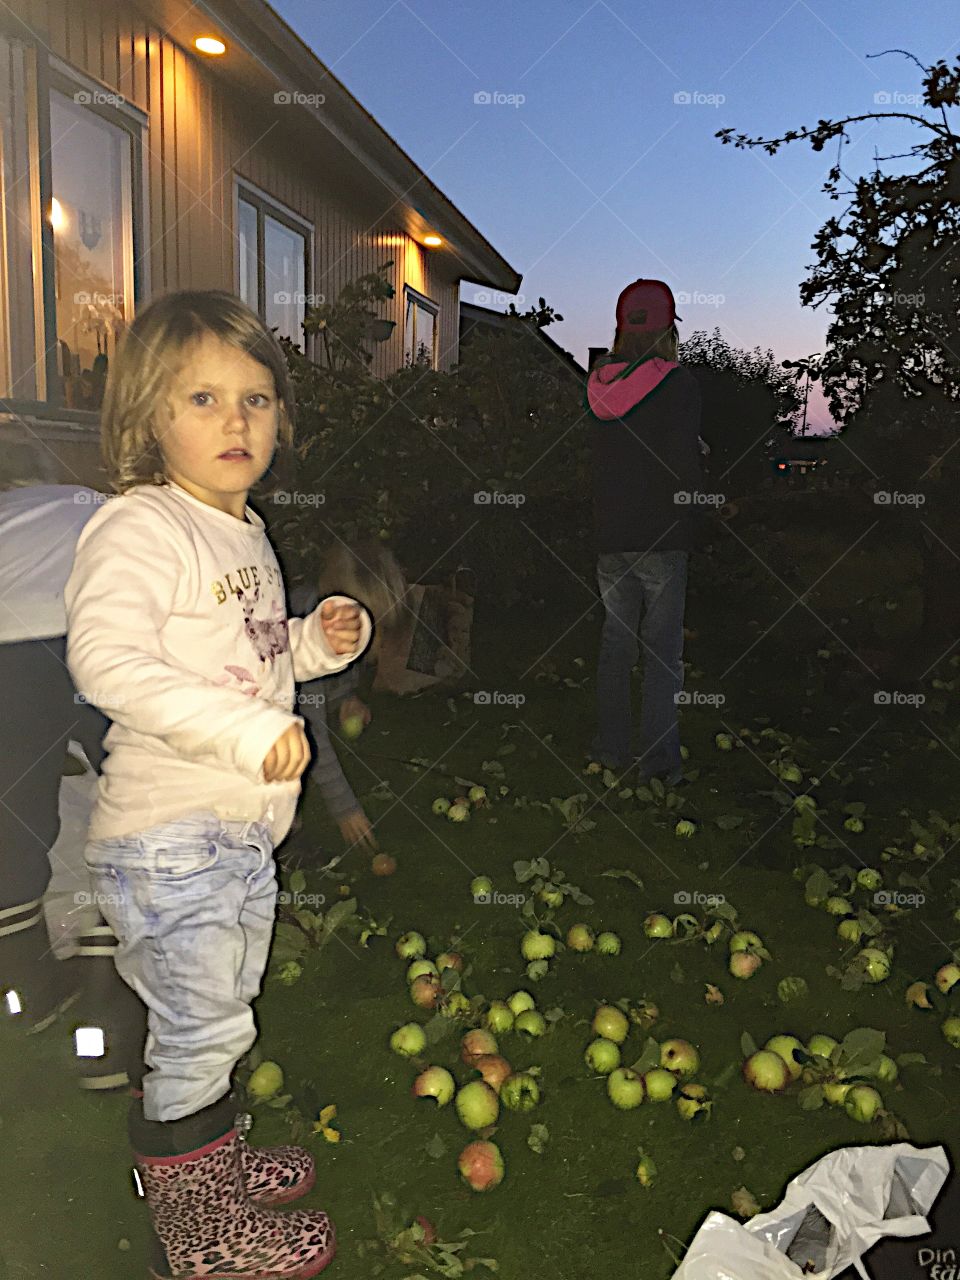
68 903
830 1215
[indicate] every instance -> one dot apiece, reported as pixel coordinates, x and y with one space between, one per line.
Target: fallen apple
766 1071
680 1057
440 806
580 937
685 828
493 1069
520 1001
947 977
821 1046
835 1091
685 925
436 1083
610 1023
850 930
383 864
538 946
458 812
425 991
481 887
411 946
693 1100
950 1030
475 1043
602 1056
646 1171
862 1103
790 773
477 796
530 1023
420 967
352 727
744 964
886 1070
723 742
481 1166
853 824
659 1084
837 906
266 1081
784 1046
608 944
520 1092
429 1230
408 1040
745 940
499 1017
477 1105
450 960
714 933
551 896
454 1004
874 964
625 1088
658 926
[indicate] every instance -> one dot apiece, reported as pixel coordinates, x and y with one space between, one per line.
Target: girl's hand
288 757
356 829
341 625
354 706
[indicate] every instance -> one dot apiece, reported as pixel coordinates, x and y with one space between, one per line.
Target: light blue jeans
193 904
656 583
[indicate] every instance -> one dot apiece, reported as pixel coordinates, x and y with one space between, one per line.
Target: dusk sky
587 173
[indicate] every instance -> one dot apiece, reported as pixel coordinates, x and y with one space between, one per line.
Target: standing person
645 411
177 628
39 712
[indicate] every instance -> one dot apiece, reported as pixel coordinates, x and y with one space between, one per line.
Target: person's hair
651 342
367 572
153 349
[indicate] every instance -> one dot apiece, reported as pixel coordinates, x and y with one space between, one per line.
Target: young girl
178 631
370 573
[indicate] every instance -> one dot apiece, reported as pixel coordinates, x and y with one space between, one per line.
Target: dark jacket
647 474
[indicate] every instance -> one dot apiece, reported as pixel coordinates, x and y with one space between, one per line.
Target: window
273 262
70 166
419 329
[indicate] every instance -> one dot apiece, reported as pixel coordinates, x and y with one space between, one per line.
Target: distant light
89 1042
56 214
13 1002
210 44
432 240
781 466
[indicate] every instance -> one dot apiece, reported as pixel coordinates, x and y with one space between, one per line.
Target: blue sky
600 174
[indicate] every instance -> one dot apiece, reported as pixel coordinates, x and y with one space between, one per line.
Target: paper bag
431 647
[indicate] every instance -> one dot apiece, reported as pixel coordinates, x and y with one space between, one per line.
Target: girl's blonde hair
650 342
368 572
150 357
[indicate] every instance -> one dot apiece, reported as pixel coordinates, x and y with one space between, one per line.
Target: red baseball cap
645 304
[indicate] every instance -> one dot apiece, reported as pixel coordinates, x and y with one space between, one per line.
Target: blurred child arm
129 574
313 643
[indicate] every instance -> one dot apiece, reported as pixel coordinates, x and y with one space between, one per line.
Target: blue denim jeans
193 904
656 582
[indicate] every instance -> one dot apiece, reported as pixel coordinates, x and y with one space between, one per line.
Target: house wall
201 134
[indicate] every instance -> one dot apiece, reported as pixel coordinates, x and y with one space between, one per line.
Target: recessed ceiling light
210 44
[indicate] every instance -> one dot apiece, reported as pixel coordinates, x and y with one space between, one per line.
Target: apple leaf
649 1057
657 787
819 884
538 1137
911 1059
855 809
861 1048
811 1099
524 871
644 794
624 875
723 911
298 882
579 896
609 778
493 767
729 821
554 1014
678 974
748 1046
436 1028
541 867
436 1148
726 1075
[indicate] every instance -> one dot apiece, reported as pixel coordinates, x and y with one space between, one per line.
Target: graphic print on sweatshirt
268 636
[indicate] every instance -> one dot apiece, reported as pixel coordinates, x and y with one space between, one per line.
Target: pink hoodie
611 395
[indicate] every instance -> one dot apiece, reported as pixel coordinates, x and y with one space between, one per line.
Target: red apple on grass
766 1071
493 1068
475 1043
436 1083
481 1165
680 1057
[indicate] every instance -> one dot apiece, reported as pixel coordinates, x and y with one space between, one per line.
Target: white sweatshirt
177 630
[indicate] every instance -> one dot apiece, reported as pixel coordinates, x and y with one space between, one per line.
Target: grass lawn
575 1208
